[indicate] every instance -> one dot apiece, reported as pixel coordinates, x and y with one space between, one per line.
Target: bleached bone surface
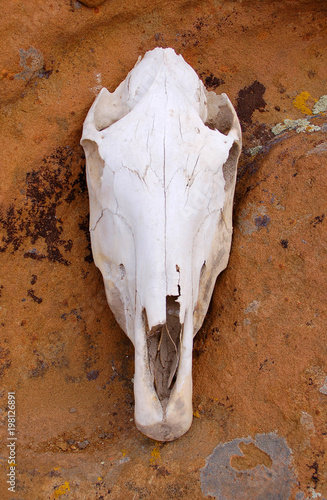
161 155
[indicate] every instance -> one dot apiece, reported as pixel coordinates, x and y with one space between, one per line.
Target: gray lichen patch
253 218
255 151
301 125
253 307
320 149
320 106
32 62
249 469
323 389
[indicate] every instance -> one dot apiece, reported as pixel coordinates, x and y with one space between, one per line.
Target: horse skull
161 156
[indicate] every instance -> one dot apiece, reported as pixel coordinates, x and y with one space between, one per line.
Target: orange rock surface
260 360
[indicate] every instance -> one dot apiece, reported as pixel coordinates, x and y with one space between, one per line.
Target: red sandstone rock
260 359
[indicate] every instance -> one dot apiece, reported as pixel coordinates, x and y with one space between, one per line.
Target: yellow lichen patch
301 102
64 488
196 414
155 454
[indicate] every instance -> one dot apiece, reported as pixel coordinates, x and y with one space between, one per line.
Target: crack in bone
100 217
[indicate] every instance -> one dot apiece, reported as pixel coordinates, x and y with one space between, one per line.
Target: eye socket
222 121
109 108
94 162
230 165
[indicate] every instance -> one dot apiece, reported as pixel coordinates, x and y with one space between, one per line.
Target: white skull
161 156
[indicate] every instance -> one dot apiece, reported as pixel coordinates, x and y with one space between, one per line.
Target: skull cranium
161 155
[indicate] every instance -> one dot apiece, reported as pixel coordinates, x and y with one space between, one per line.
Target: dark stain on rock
79 184
315 476
5 362
105 435
33 279
36 299
281 89
248 100
44 73
12 225
317 220
139 492
39 370
179 490
33 254
84 226
266 365
73 380
284 243
61 362
200 23
212 82
247 170
68 246
81 445
92 375
47 187
73 313
262 133
261 222
161 471
189 38
49 354
92 354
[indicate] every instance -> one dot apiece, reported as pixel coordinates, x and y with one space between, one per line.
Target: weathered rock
260 358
